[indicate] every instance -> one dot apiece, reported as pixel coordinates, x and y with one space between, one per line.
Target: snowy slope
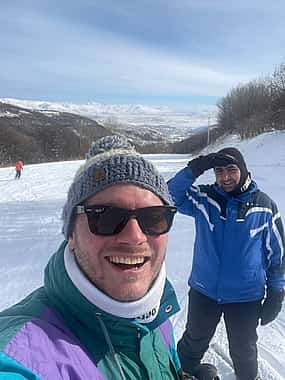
30 232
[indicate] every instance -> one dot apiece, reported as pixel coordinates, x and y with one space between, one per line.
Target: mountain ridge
44 135
171 122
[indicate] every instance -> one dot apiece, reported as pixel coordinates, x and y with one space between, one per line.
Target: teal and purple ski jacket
57 334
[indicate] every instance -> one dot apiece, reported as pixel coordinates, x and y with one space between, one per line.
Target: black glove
202 163
201 371
186 376
271 305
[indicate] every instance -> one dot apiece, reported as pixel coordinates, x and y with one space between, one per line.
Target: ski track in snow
30 212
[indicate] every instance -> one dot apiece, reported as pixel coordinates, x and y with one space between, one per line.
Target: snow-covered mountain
172 123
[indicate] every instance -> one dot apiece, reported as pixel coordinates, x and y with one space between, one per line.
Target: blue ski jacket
239 244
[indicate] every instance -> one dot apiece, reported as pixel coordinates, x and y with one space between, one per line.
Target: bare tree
277 87
246 109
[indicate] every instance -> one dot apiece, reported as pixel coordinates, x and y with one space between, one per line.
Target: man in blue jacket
238 262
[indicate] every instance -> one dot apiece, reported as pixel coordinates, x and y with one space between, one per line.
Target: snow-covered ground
30 232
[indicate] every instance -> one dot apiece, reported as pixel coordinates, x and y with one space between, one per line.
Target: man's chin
128 292
229 188
128 296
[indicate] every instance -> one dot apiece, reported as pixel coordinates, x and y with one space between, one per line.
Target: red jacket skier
19 167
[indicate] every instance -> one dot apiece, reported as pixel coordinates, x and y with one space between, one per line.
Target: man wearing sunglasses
238 261
104 310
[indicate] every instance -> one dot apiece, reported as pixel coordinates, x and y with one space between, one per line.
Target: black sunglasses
109 220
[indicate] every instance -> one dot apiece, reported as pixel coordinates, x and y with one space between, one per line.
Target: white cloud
54 53
114 65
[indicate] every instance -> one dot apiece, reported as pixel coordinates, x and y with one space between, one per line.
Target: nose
225 175
132 233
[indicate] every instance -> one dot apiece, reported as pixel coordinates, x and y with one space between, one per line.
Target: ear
71 242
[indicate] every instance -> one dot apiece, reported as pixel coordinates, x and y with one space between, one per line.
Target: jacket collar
144 310
243 197
73 305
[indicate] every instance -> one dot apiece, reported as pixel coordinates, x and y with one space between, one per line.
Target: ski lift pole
208 134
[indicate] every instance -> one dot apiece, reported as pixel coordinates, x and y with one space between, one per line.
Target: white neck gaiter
143 310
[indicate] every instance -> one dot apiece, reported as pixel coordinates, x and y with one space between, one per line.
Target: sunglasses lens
108 223
155 220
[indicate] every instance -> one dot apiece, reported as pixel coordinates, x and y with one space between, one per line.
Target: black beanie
235 157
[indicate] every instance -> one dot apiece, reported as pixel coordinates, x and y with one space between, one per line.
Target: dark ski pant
241 320
18 174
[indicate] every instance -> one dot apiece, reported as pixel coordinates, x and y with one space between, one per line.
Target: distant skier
19 167
238 254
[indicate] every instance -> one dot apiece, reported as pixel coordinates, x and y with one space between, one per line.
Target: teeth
126 260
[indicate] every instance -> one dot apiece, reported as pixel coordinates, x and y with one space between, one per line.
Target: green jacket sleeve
12 370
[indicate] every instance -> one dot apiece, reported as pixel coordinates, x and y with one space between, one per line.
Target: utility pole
208 134
80 136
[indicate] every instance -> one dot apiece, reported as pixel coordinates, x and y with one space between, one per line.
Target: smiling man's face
227 177
125 265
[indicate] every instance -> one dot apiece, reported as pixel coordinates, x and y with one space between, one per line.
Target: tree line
255 107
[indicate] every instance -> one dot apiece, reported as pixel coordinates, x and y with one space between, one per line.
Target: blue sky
137 51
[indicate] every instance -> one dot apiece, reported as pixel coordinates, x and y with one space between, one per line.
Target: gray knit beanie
111 160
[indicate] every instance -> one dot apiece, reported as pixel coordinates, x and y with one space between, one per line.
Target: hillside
45 135
37 136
